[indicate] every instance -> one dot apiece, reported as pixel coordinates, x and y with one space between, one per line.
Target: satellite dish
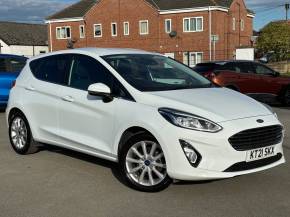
173 34
70 43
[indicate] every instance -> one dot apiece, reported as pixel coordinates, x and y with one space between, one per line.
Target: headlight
189 121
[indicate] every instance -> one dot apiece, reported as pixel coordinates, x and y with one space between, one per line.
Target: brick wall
120 11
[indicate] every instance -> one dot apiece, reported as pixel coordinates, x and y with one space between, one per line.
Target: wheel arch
129 133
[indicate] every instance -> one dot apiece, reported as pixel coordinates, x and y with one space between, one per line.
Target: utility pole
287 6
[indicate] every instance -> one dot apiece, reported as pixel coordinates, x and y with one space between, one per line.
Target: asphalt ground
57 182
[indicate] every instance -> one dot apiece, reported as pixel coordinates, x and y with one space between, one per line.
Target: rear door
248 80
43 91
9 70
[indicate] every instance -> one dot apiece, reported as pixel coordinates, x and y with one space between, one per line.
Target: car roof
228 61
96 51
12 55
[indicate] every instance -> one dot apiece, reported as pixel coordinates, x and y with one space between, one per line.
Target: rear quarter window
53 69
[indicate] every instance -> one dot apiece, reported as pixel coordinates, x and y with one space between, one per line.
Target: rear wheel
20 135
143 164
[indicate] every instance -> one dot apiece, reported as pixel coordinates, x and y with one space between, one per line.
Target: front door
86 122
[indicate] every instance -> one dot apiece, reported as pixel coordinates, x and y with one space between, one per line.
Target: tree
275 37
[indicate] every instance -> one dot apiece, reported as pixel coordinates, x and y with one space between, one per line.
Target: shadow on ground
105 163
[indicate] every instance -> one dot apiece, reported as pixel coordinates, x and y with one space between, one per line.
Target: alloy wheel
145 163
18 133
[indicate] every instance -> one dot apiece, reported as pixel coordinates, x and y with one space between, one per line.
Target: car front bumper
217 153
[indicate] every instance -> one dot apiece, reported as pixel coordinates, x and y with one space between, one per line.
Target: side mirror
101 90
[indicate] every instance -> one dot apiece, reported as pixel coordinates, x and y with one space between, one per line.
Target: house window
63 32
126 28
193 24
234 24
242 25
98 30
192 58
82 31
168 27
144 27
114 29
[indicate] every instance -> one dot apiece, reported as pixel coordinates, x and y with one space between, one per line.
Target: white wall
4 48
28 50
22 50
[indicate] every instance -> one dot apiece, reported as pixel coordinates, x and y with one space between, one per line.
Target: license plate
260 153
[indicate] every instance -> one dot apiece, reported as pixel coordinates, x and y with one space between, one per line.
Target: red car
251 78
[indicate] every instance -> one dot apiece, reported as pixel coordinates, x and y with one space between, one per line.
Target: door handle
30 88
68 99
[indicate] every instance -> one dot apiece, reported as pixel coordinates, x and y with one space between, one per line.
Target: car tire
144 172
20 135
286 97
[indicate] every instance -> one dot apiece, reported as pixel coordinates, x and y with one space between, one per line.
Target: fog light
191 154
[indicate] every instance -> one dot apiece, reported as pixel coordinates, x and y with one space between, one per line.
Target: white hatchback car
154 116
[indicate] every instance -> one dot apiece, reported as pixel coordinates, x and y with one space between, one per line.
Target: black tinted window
3 66
87 71
263 70
246 67
17 64
52 69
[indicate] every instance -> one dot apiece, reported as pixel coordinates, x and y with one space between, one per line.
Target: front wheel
143 165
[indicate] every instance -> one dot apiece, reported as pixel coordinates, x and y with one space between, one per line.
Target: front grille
257 138
243 166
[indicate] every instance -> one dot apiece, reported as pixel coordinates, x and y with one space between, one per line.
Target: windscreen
148 72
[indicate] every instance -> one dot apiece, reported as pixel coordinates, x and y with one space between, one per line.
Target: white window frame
140 25
190 54
82 34
242 25
165 23
124 26
61 27
112 32
98 36
196 30
234 24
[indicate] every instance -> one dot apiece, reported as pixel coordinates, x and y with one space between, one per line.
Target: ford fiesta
154 116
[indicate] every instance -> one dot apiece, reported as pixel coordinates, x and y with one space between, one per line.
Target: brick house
182 29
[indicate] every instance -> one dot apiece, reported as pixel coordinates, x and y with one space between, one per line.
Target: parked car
10 67
251 78
154 116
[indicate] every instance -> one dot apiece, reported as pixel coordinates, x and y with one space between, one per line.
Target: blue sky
37 10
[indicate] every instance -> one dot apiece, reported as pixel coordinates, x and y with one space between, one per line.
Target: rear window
17 64
203 67
3 66
12 64
53 69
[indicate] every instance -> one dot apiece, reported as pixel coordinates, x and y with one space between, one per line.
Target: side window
246 67
17 64
3 66
228 67
86 71
52 69
262 70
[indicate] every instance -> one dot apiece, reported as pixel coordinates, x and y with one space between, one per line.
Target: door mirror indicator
101 90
